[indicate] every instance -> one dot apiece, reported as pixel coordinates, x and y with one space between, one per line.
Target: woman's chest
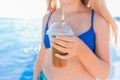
78 23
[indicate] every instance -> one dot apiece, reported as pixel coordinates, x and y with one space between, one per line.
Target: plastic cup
56 30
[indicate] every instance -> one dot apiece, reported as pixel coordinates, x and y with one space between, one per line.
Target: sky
113 7
21 8
35 8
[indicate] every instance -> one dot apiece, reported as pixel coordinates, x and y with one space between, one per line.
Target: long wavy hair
98 5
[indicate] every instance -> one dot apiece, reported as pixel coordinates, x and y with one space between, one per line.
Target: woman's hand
71 45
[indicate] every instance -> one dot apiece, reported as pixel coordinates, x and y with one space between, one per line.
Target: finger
60 48
66 38
62 43
63 57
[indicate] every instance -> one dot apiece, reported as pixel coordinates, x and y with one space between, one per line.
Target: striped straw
63 20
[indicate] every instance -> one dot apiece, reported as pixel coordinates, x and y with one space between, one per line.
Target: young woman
88 50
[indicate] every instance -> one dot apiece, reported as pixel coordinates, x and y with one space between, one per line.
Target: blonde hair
98 5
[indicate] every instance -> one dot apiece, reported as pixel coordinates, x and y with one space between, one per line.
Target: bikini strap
49 17
92 18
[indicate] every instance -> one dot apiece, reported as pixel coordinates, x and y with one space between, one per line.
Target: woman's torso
83 28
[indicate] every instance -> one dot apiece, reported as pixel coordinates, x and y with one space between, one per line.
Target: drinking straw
62 21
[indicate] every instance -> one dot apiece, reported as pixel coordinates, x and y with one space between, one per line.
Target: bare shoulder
100 23
45 18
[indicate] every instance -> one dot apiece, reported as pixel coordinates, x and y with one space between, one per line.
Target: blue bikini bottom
41 76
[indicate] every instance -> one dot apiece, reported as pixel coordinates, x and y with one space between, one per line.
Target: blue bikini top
87 37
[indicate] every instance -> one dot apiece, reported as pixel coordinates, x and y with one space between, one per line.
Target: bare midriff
73 71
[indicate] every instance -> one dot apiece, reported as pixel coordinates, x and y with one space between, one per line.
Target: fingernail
56 54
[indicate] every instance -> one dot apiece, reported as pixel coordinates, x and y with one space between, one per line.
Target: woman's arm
41 58
98 64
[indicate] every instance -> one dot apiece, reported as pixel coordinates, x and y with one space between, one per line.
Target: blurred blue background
19 46
20 43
